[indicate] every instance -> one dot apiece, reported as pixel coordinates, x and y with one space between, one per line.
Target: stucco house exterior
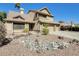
33 20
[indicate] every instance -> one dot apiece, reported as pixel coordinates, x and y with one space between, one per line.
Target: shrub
45 25
45 31
26 30
74 40
60 37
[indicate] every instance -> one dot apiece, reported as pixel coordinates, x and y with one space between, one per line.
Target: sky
66 12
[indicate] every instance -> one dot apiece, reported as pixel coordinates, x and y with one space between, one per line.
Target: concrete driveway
69 34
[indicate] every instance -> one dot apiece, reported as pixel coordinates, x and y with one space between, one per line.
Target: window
42 15
18 26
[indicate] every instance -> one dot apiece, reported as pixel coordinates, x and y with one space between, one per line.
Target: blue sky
62 11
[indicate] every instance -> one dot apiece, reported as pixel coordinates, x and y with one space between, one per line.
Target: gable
20 17
45 10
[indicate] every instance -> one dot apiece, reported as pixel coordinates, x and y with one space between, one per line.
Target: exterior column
54 27
9 27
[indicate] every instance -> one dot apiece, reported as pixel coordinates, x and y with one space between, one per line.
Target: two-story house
33 20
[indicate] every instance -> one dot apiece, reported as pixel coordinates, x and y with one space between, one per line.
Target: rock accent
35 44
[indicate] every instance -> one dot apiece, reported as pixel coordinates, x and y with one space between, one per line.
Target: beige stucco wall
46 19
9 27
52 28
56 28
30 16
41 27
50 19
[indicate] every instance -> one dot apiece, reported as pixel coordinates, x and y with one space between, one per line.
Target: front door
31 26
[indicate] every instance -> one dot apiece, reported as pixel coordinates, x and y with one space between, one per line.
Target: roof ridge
43 8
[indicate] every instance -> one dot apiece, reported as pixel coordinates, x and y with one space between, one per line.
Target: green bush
45 31
26 30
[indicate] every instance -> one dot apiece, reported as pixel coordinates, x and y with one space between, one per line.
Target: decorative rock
38 45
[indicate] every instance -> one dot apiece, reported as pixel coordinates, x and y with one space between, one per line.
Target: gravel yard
18 47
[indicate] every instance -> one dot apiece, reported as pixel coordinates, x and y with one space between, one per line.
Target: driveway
69 34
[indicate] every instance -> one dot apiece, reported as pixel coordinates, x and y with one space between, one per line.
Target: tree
17 5
2 16
45 29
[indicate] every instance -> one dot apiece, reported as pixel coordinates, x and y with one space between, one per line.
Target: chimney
22 10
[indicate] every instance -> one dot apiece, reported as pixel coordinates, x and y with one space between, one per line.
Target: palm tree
2 16
17 5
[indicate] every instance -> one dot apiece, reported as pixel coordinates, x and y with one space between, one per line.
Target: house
33 20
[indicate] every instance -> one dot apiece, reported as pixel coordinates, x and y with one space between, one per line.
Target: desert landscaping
40 45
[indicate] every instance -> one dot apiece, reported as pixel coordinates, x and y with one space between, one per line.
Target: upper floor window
42 15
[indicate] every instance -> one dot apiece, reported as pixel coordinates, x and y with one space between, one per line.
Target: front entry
31 26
